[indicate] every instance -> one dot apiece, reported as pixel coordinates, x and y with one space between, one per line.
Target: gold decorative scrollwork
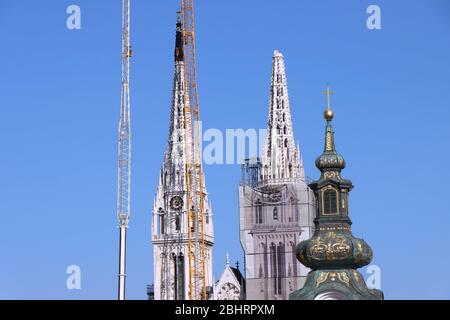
333 276
321 278
331 247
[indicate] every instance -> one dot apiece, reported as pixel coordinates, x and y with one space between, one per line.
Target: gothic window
285 130
294 258
161 220
278 129
273 265
275 213
207 216
282 104
280 266
330 201
284 117
179 276
286 143
177 222
259 219
161 223
265 260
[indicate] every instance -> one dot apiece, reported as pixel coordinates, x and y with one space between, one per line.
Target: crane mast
194 171
124 174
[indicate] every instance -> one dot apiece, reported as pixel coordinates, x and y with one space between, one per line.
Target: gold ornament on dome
333 277
332 246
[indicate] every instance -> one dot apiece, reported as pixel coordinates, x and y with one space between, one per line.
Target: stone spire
170 217
173 170
281 157
333 253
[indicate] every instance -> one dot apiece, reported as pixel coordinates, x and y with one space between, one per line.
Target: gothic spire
174 156
281 158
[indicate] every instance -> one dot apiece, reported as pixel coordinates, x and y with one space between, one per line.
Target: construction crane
194 171
124 174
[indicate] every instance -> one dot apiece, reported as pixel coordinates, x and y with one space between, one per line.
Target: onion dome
335 250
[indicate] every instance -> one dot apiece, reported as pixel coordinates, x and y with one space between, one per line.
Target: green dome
334 250
330 160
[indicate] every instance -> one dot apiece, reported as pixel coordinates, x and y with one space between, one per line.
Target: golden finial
328 114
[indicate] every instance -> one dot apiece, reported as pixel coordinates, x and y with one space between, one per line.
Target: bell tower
333 253
276 206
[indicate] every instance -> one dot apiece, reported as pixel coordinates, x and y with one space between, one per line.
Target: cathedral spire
170 223
281 158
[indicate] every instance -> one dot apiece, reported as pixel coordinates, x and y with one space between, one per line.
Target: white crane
124 176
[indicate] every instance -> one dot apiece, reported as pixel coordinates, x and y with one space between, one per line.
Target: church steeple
281 158
333 253
170 208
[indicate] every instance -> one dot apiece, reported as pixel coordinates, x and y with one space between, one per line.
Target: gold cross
328 93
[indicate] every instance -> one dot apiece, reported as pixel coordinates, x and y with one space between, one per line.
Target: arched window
281 266
285 130
259 218
330 201
294 258
161 221
177 222
275 213
179 276
273 265
286 143
266 266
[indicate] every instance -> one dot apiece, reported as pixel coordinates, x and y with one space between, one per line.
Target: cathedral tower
333 253
170 234
276 206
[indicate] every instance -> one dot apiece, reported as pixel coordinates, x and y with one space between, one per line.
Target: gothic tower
170 221
276 206
333 253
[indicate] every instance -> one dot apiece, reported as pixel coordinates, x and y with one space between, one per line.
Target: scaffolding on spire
194 171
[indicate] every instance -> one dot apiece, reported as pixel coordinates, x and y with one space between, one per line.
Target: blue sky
60 96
